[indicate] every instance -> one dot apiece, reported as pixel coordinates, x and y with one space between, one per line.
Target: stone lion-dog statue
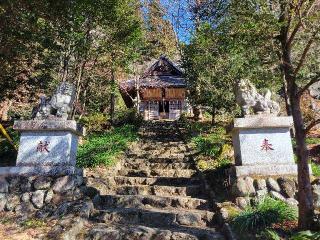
60 104
249 99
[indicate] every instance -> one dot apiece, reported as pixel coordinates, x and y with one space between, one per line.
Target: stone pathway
157 193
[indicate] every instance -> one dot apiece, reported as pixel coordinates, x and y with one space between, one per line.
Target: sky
178 12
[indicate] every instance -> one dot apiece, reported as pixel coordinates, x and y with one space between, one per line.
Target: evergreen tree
45 42
161 38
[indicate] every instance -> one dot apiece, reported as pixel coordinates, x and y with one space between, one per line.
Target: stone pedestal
263 146
47 147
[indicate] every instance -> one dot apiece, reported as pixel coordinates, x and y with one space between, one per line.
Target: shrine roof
156 81
163 73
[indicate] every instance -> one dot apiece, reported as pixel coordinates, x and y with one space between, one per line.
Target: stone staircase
156 194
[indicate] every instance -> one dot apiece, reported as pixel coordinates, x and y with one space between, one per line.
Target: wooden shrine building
160 93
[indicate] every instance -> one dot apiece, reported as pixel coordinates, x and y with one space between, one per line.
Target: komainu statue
248 98
60 104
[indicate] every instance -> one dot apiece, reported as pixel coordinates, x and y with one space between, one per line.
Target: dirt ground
13 228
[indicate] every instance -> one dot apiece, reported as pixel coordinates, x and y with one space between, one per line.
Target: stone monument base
265 170
50 171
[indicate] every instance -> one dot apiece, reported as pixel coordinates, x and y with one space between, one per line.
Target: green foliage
270 235
313 141
211 144
213 147
33 223
306 235
261 216
128 116
95 122
160 36
7 153
315 169
208 145
78 41
105 148
232 42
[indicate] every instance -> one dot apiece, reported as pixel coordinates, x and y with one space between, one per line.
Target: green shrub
267 212
211 144
313 140
270 235
315 169
127 116
105 148
96 122
306 235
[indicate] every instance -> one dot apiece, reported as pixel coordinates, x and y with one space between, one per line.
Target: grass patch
33 223
263 215
210 144
270 234
315 169
105 148
214 149
306 235
313 141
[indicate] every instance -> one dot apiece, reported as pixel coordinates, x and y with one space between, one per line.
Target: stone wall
244 189
45 196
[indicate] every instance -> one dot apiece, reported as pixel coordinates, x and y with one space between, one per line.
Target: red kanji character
43 146
266 145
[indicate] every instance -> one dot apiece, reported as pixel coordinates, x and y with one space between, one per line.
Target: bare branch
300 15
294 32
303 56
311 125
311 82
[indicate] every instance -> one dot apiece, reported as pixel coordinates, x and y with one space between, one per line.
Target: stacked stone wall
283 188
45 196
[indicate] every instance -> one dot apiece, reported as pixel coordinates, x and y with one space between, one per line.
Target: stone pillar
263 146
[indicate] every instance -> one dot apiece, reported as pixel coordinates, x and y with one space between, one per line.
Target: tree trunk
65 67
305 199
78 87
197 113
113 96
213 120
286 97
138 94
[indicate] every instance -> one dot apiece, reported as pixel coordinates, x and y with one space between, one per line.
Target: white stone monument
261 140
48 143
263 146
48 146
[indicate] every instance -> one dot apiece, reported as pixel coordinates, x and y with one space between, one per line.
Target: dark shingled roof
163 73
156 81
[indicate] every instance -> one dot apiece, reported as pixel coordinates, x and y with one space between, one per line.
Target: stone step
140 201
188 191
135 232
141 164
160 181
157 217
149 156
186 173
154 147
156 159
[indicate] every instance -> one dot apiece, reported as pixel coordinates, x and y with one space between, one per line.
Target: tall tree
45 42
161 37
299 32
282 38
